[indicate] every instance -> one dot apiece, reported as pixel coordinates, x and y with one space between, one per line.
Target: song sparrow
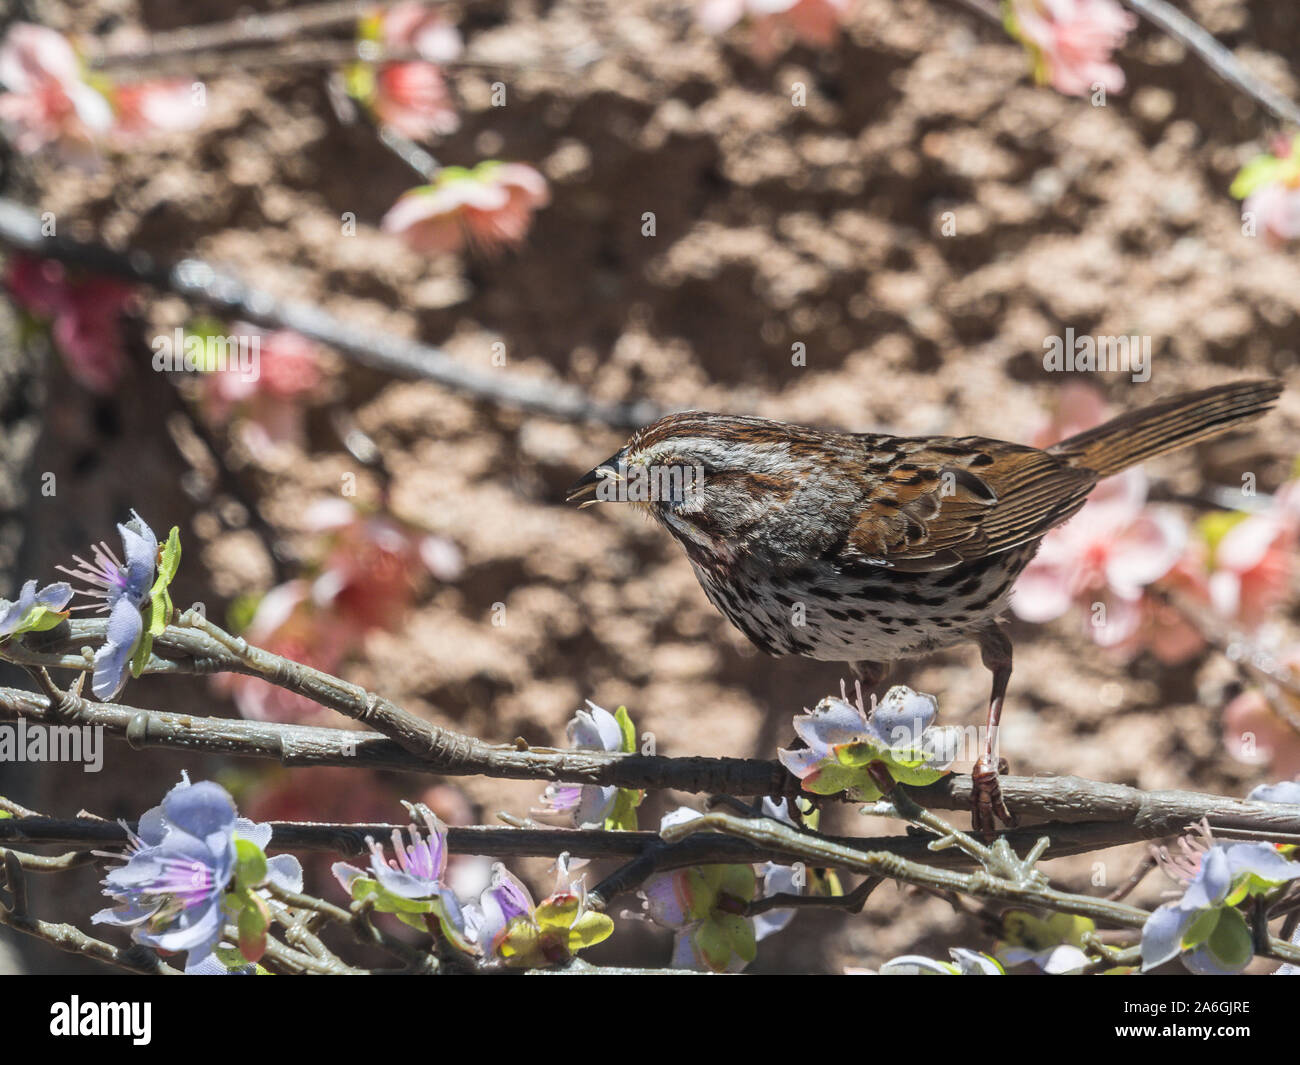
867 548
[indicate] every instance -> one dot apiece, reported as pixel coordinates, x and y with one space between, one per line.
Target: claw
987 805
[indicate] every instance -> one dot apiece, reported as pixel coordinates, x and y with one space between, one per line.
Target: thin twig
204 284
1027 890
1195 37
264 29
852 902
1215 56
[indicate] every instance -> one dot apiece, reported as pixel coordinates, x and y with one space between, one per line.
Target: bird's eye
678 483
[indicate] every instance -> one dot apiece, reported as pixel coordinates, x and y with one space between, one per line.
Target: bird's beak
612 467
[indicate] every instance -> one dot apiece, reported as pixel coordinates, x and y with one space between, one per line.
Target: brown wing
942 501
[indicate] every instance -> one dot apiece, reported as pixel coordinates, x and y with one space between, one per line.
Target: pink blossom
1251 568
270 402
491 206
288 623
413 99
83 312
1075 407
147 107
1102 560
1255 731
1071 41
415 27
775 22
1276 210
47 102
371 562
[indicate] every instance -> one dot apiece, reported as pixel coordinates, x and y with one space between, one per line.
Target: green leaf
738 881
831 779
1260 171
1231 941
250 866
622 816
143 650
230 957
41 619
714 947
1201 929
588 930
160 611
364 887
1253 884
240 612
359 81
1212 528
1021 928
628 746
169 562
859 754
252 924
740 934
415 920
917 776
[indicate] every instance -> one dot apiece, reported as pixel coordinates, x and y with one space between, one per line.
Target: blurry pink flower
1255 733
1075 407
269 403
47 102
146 107
369 570
774 22
1250 570
1071 41
288 623
1269 188
416 27
413 99
491 206
1276 210
1103 559
83 313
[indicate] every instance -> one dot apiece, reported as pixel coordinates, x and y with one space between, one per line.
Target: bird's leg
870 674
987 807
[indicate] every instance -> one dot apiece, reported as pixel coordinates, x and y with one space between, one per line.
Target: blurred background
694 204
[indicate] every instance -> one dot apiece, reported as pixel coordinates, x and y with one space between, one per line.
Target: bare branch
1216 56
205 285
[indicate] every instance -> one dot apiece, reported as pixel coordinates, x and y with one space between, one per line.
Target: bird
867 548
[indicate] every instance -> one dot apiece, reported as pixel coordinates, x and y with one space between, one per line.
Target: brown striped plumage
866 548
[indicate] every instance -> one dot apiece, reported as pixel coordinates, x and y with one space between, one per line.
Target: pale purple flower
419 867
842 738
504 899
182 860
1287 791
124 589
16 617
1220 869
588 804
700 905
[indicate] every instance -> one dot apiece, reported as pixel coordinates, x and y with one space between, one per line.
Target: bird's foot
987 806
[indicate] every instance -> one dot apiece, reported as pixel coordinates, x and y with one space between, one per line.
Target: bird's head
711 480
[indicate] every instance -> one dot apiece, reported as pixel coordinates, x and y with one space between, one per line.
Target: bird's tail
1172 423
